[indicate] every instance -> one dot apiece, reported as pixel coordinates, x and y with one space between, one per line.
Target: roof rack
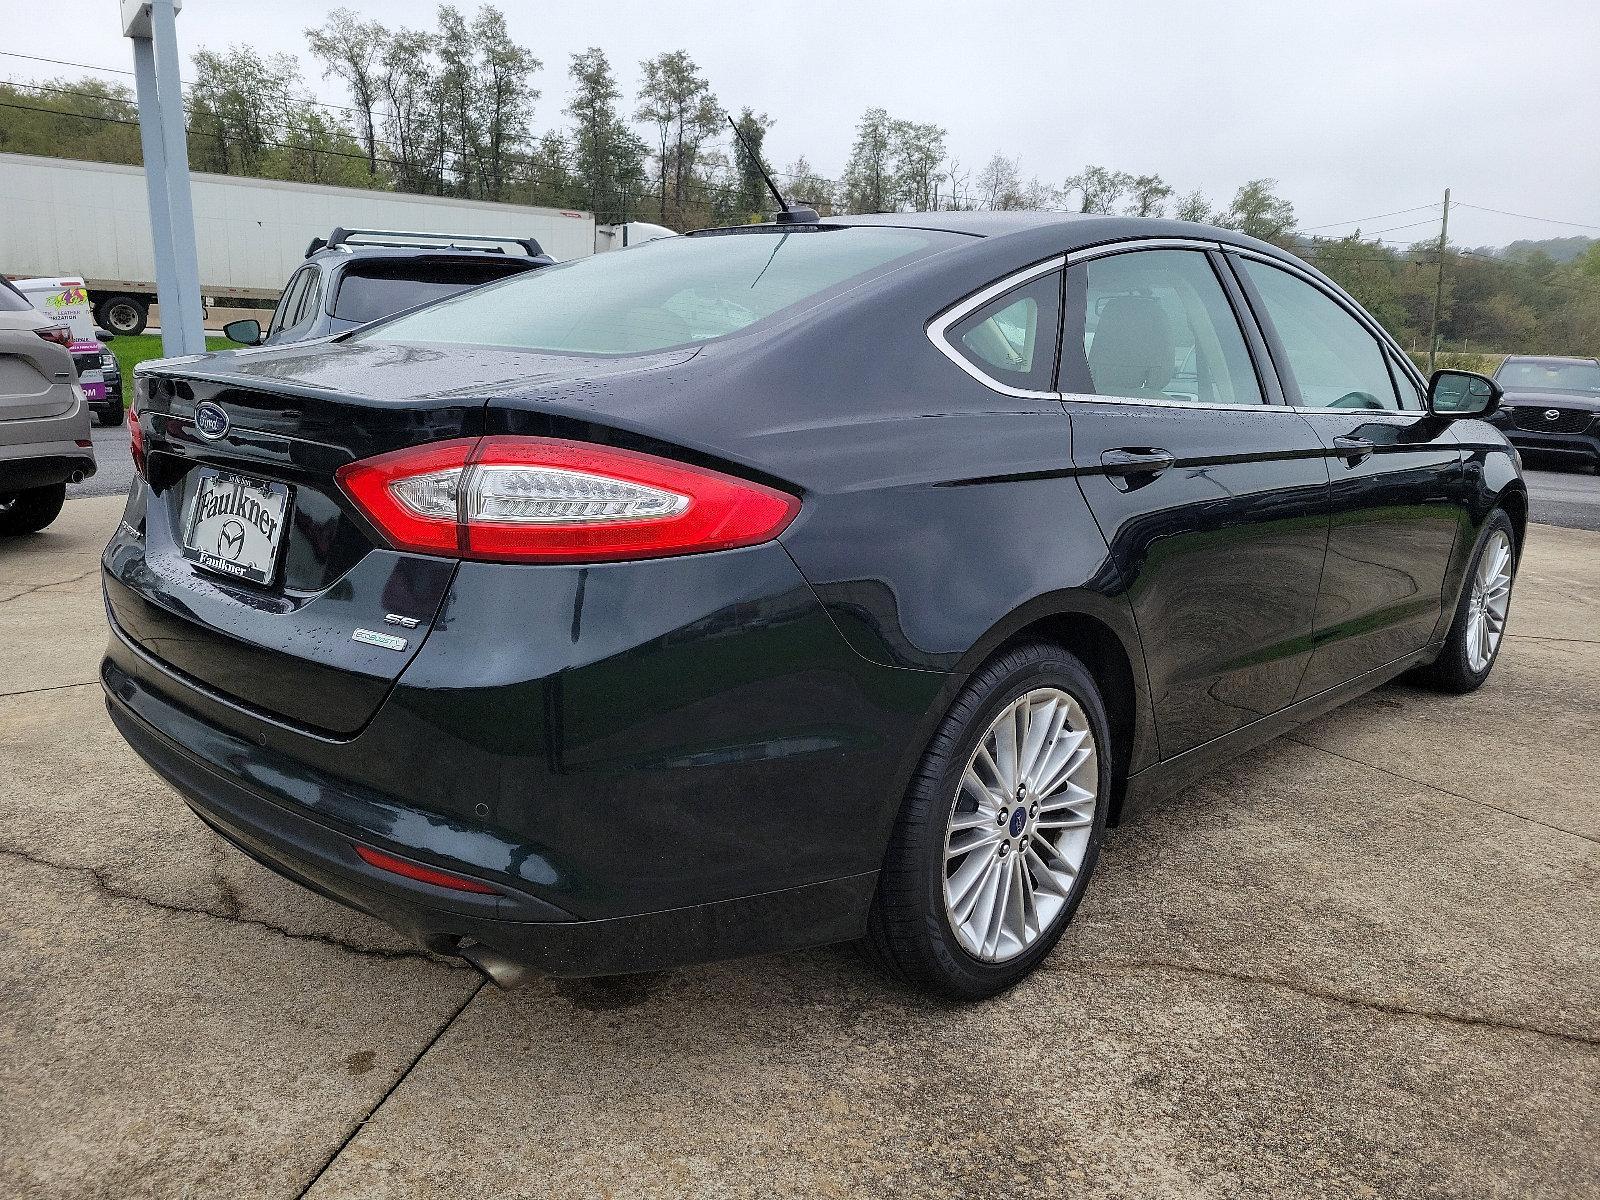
435 241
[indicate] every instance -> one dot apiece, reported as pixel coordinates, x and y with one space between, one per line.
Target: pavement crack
1510 812
230 912
39 587
55 687
384 1099
1316 992
1539 637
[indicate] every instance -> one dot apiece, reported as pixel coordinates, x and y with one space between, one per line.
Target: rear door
1213 499
1398 490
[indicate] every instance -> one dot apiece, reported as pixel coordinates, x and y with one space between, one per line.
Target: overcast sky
1357 107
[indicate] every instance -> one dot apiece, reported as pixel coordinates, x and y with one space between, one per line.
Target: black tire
113 415
1453 671
30 511
125 315
908 931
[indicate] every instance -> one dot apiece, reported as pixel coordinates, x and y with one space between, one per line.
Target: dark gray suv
359 275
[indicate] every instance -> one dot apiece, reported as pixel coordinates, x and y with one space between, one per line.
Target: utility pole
152 27
1438 286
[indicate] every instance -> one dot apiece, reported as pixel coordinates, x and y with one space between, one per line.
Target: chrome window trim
1155 243
940 326
1092 398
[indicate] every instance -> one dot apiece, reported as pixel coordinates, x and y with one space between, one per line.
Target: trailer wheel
126 315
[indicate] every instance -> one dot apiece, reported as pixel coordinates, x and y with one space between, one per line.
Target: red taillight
531 499
411 870
61 335
135 435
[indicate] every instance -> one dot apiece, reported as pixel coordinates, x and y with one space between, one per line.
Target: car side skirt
1155 784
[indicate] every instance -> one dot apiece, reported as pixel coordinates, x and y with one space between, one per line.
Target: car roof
1067 230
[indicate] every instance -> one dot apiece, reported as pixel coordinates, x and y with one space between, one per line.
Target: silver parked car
44 418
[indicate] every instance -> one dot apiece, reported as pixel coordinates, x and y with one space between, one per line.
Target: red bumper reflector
411 870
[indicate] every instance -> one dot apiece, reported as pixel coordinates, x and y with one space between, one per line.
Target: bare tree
1000 184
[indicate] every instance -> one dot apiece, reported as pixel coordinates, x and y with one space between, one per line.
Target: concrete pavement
1361 961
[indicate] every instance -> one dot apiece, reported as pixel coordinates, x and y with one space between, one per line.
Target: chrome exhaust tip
505 973
77 477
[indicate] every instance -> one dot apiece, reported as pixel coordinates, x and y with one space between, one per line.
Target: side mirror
247 331
105 335
1462 394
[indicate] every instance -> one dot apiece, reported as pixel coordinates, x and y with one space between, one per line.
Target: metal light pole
152 26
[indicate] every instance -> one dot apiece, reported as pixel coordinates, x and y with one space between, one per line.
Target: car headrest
1133 348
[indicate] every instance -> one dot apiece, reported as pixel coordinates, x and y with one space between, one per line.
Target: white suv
44 418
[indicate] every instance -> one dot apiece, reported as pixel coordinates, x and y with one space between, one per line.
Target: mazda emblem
1552 414
210 420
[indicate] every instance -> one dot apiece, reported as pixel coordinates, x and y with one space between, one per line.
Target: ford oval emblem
210 420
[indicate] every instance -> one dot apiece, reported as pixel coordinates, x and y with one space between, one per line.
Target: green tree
869 183
1148 196
1098 189
352 51
606 157
240 103
412 128
74 118
805 186
919 152
1259 211
677 100
1193 206
751 197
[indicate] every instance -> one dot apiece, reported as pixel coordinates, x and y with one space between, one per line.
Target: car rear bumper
61 464
515 924
655 763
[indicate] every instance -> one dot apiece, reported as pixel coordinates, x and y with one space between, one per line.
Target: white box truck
59 216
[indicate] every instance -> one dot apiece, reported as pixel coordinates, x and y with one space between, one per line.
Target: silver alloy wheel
1490 600
1020 824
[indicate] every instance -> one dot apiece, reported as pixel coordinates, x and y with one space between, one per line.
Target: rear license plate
235 524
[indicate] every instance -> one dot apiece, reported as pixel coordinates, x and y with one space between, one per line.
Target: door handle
1353 449
1133 467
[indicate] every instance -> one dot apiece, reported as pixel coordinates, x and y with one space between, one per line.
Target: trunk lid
320 638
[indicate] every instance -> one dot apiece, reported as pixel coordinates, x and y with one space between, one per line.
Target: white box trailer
63 217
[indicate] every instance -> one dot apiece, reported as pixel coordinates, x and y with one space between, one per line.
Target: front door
1213 500
1395 470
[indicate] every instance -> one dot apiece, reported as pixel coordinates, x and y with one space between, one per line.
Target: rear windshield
665 293
371 290
1515 374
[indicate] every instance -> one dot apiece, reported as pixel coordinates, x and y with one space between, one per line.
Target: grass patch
131 351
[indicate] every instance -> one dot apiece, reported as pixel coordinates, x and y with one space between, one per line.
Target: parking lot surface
1360 961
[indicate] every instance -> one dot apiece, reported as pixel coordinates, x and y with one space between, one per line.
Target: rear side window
1012 338
1333 360
289 304
12 300
369 291
1154 325
670 292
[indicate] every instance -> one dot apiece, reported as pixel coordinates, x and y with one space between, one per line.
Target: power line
1375 217
1527 216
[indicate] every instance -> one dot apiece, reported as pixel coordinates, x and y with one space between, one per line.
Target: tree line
450 111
